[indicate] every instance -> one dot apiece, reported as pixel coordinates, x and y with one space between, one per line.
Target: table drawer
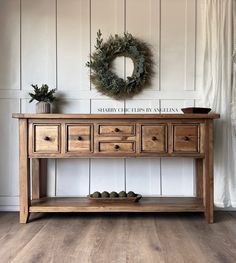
186 138
153 138
79 138
116 147
116 130
46 138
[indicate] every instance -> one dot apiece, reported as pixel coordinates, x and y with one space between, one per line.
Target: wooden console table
124 136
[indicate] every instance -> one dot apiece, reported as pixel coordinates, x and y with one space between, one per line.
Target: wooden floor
118 238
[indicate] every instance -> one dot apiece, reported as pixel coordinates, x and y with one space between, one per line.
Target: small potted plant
44 96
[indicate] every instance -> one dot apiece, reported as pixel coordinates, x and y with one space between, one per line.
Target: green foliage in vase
42 94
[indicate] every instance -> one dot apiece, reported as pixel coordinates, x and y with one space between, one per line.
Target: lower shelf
147 204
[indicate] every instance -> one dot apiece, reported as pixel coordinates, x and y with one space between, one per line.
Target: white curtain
218 90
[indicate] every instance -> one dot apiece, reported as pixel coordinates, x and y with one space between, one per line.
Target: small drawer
116 147
116 130
186 138
46 138
153 138
79 138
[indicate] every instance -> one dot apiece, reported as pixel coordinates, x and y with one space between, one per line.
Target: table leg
35 178
39 178
24 172
199 178
208 179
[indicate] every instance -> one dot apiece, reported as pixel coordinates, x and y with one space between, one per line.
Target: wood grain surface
138 136
78 138
46 138
118 238
153 138
24 171
115 116
146 204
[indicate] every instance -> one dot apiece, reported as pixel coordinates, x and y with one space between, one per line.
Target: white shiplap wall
49 41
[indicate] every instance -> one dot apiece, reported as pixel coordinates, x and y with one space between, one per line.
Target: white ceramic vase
43 107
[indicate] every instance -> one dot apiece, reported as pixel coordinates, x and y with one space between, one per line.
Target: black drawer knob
117 147
117 129
80 138
47 138
186 138
154 138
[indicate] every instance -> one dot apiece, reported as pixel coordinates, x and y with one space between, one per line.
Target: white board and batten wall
49 41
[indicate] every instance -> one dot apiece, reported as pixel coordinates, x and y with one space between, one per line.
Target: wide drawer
186 138
46 138
116 130
79 138
116 147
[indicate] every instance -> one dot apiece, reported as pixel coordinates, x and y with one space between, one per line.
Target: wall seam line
20 45
125 28
90 87
56 44
160 45
90 41
56 83
195 47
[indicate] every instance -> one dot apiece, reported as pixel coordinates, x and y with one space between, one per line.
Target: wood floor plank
15 236
175 242
216 241
56 241
7 221
118 238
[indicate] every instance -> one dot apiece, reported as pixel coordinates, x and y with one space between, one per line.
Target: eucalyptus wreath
106 81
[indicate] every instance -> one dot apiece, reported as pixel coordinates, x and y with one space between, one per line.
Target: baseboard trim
229 209
9 201
9 208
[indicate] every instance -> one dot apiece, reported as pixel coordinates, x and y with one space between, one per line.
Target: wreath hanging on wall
106 81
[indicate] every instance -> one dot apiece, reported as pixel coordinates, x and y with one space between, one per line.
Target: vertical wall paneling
9 148
107 175
108 16
143 21
9 82
177 179
199 48
10 44
38 42
143 176
177 44
72 177
190 44
74 106
73 44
